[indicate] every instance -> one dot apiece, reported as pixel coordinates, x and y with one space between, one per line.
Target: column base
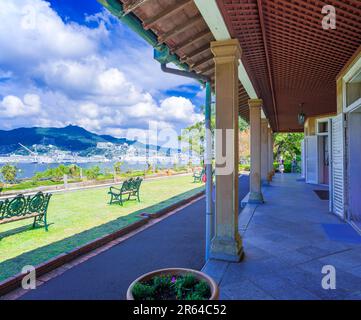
256 198
227 250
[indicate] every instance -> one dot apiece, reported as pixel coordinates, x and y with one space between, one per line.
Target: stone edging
14 282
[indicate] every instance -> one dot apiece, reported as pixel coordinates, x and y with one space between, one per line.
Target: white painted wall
354 167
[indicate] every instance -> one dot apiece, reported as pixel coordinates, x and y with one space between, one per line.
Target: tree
9 173
243 124
288 145
194 136
74 170
92 173
118 167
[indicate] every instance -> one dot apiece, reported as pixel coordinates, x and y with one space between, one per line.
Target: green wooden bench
129 188
22 207
198 175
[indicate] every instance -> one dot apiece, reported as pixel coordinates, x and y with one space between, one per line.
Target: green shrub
185 287
143 291
244 167
288 167
92 173
203 288
276 165
162 282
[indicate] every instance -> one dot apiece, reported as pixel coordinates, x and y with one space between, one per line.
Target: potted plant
173 284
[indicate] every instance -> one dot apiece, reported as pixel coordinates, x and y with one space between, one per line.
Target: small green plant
143 291
9 173
168 287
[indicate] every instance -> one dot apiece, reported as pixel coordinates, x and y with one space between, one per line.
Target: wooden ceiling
179 24
290 58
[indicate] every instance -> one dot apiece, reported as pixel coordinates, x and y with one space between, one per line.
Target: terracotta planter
176 271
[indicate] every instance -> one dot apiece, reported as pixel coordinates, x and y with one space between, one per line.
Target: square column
264 151
255 194
270 152
227 243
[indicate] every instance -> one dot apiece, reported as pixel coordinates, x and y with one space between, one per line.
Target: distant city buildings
103 152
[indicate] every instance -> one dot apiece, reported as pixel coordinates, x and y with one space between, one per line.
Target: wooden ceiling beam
206 70
199 36
179 29
197 64
195 53
180 5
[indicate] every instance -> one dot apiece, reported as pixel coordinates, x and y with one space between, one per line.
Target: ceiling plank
180 5
179 29
199 36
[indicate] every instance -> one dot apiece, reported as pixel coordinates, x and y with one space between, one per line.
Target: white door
311 148
337 196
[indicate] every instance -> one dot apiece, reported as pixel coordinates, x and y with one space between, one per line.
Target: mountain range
70 138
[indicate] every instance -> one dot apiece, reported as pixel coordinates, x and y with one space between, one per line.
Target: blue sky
70 62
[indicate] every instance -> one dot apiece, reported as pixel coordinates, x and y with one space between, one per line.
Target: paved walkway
178 240
287 242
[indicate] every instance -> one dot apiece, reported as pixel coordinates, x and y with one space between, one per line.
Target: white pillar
264 151
255 195
227 243
270 151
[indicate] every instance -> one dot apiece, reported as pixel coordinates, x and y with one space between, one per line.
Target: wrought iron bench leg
34 223
46 223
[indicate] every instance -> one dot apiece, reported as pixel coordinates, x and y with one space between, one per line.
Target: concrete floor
286 245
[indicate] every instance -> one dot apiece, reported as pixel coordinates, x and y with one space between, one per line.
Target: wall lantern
301 116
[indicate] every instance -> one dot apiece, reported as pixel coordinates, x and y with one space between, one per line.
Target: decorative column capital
226 51
255 103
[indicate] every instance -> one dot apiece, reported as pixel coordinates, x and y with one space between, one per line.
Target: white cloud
101 80
90 110
30 31
179 109
12 106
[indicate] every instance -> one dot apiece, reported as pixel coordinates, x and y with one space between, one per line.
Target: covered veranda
264 59
274 63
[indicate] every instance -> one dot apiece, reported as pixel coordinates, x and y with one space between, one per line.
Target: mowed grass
79 217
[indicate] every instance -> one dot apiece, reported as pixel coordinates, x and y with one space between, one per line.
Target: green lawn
77 218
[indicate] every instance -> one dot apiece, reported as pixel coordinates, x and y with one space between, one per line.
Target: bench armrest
114 188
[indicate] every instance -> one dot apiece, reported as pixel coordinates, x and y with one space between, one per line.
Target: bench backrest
24 205
131 185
